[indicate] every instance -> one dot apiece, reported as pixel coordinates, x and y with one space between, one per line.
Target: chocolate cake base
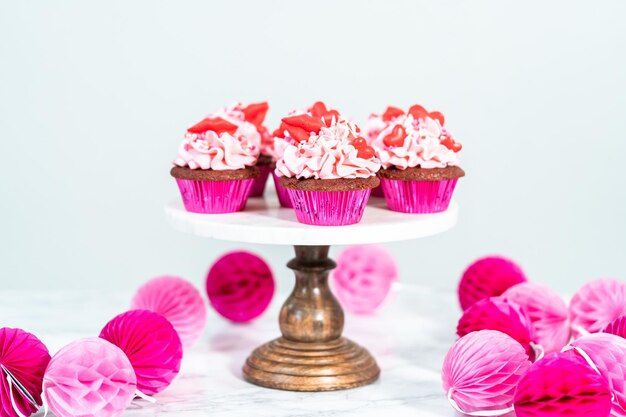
422 174
339 184
186 173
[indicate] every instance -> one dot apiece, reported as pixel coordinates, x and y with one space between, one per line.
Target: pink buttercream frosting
422 146
375 125
327 155
223 151
235 115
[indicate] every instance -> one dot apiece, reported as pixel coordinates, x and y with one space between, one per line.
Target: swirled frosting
329 154
422 145
210 150
236 114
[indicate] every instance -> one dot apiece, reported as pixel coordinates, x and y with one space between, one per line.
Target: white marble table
408 336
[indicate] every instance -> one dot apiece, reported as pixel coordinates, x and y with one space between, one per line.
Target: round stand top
264 221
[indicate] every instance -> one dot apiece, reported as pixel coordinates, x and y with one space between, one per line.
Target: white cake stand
311 355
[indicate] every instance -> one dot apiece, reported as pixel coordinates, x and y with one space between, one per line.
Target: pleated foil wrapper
214 196
418 196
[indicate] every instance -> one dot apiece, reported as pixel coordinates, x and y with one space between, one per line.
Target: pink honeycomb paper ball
607 353
481 371
498 313
546 310
178 301
562 385
152 345
488 277
26 358
596 305
617 327
363 277
89 378
240 286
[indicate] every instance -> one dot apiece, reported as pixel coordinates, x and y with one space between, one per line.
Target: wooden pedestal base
312 355
295 366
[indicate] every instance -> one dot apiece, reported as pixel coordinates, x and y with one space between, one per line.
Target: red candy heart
392 112
396 137
419 112
359 143
449 143
301 126
217 125
255 113
318 109
366 152
437 115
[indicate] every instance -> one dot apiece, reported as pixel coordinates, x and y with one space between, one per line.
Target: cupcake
329 170
419 157
215 167
255 114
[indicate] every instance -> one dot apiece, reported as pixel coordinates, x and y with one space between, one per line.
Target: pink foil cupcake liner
258 184
329 208
418 196
281 192
214 196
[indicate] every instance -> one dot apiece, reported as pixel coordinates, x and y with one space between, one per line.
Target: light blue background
94 98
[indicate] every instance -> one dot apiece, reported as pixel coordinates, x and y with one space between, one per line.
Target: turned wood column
311 313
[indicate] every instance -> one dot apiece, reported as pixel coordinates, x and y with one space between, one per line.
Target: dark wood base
296 366
312 355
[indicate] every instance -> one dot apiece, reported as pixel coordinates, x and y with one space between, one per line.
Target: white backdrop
94 99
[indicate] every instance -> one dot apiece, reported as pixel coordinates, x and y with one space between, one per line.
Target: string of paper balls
139 352
508 324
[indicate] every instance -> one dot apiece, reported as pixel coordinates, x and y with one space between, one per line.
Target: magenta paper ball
547 311
26 358
240 286
178 301
596 305
488 277
89 378
363 277
608 353
617 327
480 372
151 344
562 385
498 313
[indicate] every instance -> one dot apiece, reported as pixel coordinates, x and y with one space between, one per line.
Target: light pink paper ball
488 277
26 358
363 277
546 310
562 385
597 304
482 369
151 344
89 378
608 353
178 301
498 313
240 286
